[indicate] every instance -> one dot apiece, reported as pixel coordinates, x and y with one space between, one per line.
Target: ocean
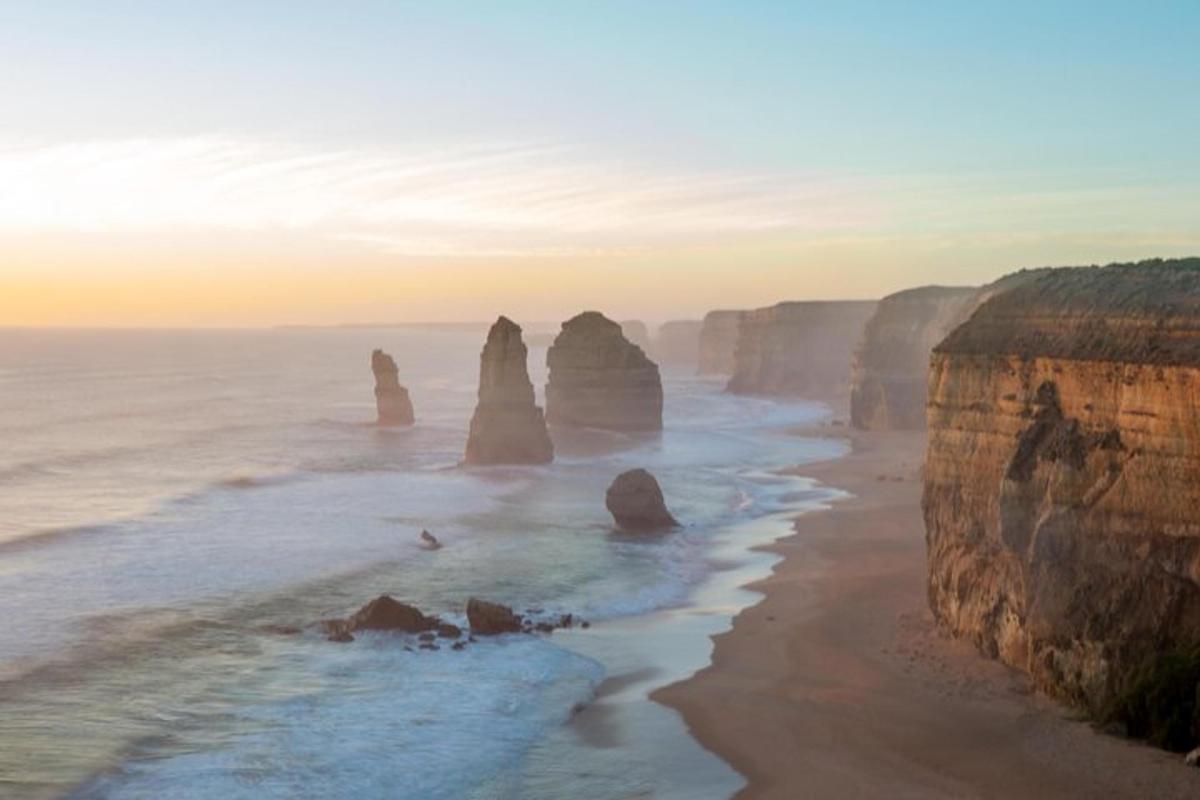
171 502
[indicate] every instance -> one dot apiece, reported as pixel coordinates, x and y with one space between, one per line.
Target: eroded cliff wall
891 364
718 342
804 348
1062 480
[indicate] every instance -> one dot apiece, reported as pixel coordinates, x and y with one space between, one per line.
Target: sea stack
636 502
392 403
678 343
804 348
507 427
1062 480
599 379
718 342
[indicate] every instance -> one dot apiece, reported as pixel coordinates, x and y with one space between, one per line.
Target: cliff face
507 427
599 379
891 365
1062 482
718 341
392 403
798 348
678 343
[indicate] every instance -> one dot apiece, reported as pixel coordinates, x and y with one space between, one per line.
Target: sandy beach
837 684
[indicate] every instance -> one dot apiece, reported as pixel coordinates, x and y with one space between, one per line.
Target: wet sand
837 684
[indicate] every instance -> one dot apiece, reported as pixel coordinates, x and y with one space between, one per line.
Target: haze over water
172 499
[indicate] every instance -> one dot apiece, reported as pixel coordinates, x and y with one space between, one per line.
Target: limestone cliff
1062 481
507 427
891 365
392 403
718 341
599 379
678 343
799 348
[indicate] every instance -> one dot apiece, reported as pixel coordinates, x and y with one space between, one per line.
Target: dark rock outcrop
599 379
636 502
491 619
1062 480
384 613
797 349
507 427
718 342
429 541
678 343
392 403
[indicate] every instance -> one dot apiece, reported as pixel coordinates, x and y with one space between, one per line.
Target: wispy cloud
477 200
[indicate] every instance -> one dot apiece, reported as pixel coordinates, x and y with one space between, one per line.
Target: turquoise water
168 500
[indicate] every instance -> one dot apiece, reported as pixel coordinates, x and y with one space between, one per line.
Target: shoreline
836 683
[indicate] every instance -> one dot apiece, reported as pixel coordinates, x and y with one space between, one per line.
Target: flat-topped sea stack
599 379
392 403
678 343
804 348
718 342
891 366
1062 483
507 427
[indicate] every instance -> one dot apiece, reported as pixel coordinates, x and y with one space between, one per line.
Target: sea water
172 502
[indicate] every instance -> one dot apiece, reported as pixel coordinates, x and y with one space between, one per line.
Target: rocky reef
599 379
392 403
718 342
802 348
636 502
678 343
1062 481
507 427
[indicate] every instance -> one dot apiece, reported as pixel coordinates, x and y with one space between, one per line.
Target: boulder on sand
636 502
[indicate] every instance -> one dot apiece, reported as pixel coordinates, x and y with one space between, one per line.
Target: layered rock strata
804 348
507 427
1062 481
718 342
599 379
392 403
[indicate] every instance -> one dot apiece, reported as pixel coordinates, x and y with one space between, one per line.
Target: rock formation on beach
599 379
678 343
507 427
636 502
804 348
1062 480
392 402
384 613
718 342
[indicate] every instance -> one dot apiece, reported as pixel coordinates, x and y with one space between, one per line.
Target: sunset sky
242 163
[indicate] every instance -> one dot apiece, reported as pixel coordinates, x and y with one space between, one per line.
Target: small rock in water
489 619
458 646
636 502
429 541
429 646
427 637
448 631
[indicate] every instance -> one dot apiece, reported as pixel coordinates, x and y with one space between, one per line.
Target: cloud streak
473 200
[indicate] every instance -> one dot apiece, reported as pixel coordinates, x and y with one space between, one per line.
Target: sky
261 163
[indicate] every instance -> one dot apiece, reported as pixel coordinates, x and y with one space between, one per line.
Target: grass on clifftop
1162 701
